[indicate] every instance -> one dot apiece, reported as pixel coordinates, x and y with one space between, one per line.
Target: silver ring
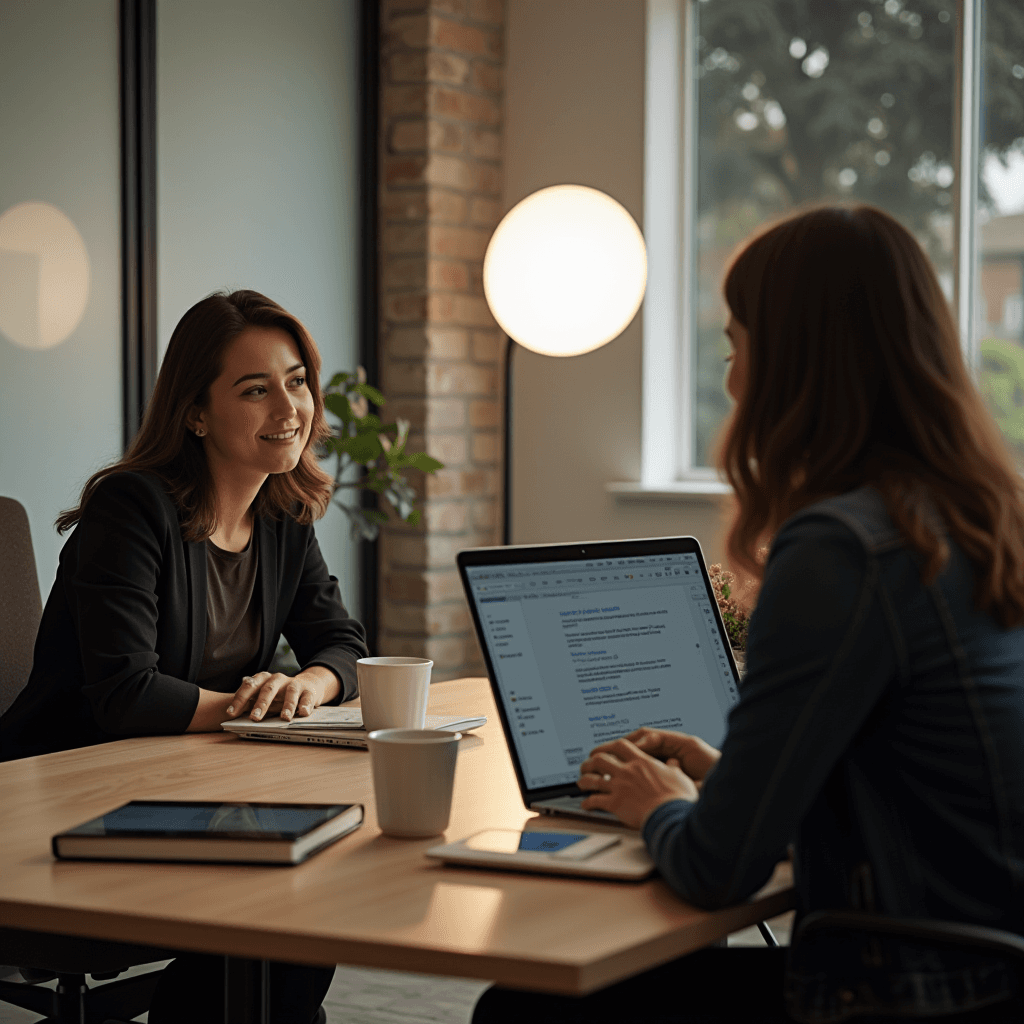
607 778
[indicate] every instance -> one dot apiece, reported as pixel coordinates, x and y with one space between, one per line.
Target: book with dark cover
201 830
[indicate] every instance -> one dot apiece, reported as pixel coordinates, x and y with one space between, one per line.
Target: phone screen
502 840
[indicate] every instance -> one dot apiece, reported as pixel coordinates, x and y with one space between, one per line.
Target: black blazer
122 634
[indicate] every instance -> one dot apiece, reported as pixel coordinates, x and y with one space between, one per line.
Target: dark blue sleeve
819 655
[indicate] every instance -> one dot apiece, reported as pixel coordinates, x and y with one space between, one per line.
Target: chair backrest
850 962
20 605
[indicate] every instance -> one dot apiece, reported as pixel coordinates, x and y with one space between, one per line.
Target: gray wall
257 174
60 408
574 112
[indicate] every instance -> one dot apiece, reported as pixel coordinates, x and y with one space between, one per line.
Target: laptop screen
586 651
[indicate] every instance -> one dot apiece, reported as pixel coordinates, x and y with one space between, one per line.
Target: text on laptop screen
587 651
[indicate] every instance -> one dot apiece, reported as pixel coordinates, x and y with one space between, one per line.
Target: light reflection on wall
44 275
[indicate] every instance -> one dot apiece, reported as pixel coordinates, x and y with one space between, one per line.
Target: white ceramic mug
413 776
393 692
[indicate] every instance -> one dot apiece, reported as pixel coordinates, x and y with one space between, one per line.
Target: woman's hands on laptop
633 776
288 696
691 753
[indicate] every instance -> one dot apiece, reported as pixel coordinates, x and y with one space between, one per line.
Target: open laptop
586 642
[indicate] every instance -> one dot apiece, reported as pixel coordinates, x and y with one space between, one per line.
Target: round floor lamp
564 273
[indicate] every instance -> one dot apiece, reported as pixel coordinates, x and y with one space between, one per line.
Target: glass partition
60 289
257 185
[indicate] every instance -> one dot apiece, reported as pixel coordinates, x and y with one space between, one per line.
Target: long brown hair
856 376
166 447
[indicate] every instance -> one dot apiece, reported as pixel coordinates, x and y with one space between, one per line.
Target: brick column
440 199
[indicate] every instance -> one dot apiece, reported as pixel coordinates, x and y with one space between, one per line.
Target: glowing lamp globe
565 270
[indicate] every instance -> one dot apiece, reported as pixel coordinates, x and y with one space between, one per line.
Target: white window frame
667 471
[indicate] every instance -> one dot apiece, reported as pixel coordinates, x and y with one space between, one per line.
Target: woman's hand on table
629 778
267 693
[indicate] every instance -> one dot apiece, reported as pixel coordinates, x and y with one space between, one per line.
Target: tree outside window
817 100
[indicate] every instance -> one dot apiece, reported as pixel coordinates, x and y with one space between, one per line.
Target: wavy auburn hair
856 376
166 447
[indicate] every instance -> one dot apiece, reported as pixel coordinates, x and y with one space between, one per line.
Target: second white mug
413 774
393 692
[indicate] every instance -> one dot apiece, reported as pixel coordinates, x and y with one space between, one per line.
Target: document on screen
576 669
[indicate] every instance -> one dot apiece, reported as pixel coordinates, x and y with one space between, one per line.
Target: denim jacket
880 730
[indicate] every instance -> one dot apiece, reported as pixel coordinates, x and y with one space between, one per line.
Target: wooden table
369 900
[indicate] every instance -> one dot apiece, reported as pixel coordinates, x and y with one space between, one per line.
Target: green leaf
375 515
425 462
361 448
338 379
370 392
414 517
369 424
338 405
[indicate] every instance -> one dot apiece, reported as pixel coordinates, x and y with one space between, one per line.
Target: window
754 109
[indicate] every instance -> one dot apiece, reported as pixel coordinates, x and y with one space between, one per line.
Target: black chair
866 943
41 957
20 606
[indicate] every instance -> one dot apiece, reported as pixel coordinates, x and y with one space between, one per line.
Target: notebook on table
255 832
586 642
334 727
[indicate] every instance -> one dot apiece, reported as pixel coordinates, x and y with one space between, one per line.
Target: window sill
701 491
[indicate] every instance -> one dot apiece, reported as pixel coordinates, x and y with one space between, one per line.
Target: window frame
670 202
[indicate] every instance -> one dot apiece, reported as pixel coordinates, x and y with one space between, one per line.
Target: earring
200 432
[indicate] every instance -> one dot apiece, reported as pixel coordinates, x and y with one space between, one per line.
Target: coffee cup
393 692
413 776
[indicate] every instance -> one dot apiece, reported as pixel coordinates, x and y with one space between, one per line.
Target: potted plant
370 455
735 609
360 438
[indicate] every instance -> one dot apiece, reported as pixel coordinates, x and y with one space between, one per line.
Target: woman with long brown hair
878 732
189 558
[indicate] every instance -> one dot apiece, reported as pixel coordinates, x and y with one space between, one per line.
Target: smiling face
258 415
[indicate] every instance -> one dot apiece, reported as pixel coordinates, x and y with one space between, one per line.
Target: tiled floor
359 996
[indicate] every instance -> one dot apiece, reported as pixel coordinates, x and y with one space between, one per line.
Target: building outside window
781 103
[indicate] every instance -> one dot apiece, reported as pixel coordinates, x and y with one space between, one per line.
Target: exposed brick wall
440 199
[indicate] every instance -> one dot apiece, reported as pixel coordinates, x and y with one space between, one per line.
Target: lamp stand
506 490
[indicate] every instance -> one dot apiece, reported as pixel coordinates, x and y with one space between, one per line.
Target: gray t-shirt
233 617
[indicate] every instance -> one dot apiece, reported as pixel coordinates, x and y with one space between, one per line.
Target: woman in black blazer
189 558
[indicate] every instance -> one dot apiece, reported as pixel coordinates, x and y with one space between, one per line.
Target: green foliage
735 614
1001 378
370 455
736 625
883 82
807 100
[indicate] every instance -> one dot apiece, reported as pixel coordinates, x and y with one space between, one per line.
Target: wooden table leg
246 991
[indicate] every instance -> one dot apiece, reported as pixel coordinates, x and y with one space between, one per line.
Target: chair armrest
955 933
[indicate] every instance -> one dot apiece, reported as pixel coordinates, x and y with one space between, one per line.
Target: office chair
821 933
41 957
20 606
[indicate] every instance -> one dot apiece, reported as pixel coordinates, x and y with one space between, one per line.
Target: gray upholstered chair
39 956
20 606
